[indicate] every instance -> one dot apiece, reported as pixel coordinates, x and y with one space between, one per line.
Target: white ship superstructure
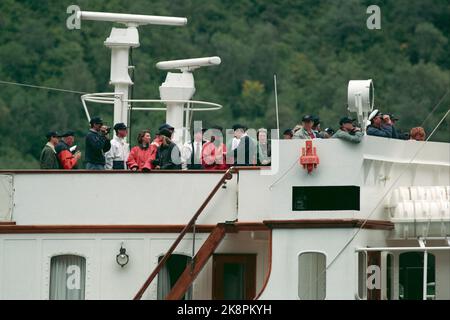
371 221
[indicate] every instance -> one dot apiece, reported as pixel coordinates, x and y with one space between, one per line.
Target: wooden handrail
197 264
227 176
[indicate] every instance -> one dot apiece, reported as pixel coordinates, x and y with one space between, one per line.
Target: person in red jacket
141 156
214 152
67 159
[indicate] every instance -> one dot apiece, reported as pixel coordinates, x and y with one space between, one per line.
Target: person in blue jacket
97 143
380 125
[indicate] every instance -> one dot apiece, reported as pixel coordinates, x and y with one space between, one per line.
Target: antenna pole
131 95
276 105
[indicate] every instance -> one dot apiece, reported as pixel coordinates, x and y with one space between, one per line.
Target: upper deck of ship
355 180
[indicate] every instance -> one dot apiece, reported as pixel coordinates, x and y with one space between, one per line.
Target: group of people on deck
379 124
206 150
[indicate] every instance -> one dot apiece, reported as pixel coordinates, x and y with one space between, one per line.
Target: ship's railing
112 97
191 225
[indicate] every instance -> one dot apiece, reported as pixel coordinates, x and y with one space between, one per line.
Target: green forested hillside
314 46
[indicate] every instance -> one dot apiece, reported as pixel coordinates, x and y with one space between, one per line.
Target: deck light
122 258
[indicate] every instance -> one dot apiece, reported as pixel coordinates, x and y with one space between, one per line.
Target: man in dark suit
245 152
191 154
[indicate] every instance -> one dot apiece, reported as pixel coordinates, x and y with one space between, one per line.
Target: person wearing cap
142 155
67 159
306 131
214 152
116 158
97 143
244 154
48 159
397 133
329 132
380 126
191 154
288 134
157 142
348 132
166 126
316 128
168 156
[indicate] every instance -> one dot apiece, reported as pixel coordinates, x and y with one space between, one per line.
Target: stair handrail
227 176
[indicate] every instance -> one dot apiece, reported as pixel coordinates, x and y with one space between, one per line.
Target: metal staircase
202 256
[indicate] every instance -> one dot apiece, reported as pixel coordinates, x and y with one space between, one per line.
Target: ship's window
411 276
312 276
332 198
67 277
362 275
169 274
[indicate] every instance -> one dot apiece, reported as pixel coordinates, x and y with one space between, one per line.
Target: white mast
179 88
120 41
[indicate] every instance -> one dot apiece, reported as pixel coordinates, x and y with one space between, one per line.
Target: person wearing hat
157 142
166 126
116 158
288 134
397 133
168 156
97 143
316 128
348 132
306 131
67 159
48 159
330 132
380 125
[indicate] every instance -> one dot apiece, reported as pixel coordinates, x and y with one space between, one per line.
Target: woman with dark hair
141 156
214 152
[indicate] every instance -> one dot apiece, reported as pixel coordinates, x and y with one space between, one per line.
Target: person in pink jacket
142 155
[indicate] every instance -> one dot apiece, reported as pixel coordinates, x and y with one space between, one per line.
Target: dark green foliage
314 46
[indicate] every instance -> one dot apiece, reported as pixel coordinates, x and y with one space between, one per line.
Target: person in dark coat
245 152
97 143
379 126
397 133
48 159
168 156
